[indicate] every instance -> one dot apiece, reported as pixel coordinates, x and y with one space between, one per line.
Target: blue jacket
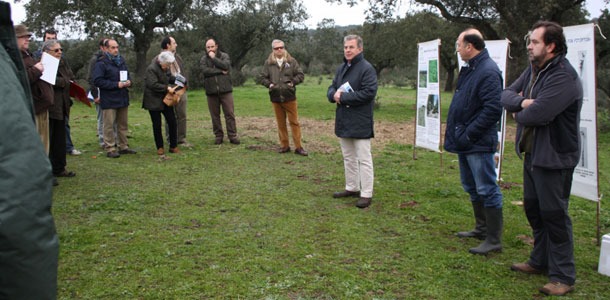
354 116
475 109
554 115
106 78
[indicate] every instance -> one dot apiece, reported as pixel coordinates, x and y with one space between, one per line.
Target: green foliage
230 222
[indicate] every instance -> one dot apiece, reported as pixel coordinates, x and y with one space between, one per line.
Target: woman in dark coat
156 86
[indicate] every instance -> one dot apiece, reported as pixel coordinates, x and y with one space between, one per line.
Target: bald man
471 133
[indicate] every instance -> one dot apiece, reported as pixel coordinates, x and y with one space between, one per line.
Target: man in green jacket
219 91
29 245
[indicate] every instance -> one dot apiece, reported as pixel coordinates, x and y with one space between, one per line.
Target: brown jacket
42 91
284 78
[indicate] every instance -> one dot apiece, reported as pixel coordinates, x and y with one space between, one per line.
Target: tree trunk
450 79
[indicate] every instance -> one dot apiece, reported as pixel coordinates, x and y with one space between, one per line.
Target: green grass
243 222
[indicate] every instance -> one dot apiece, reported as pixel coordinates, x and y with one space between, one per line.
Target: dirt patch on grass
319 136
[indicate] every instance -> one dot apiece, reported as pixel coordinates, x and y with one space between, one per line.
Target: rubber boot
493 241
480 227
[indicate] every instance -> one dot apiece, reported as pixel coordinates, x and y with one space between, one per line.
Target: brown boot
556 289
525 268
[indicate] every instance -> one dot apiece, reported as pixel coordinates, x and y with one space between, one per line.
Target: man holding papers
353 90
111 77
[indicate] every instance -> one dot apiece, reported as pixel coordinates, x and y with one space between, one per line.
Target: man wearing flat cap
42 91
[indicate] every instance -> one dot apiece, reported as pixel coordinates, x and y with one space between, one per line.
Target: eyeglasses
278 48
57 50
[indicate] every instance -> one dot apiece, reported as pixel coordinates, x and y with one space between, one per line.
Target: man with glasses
112 78
59 111
219 91
281 74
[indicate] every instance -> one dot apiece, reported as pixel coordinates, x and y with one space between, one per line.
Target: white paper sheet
50 64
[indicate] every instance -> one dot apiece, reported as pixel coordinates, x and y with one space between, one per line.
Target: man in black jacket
545 101
353 91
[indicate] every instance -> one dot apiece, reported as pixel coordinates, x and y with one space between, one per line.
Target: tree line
245 28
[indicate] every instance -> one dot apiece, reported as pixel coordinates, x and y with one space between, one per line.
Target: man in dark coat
112 78
353 91
545 101
472 133
29 244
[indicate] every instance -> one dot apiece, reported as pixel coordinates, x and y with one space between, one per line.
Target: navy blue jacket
554 115
475 109
354 116
106 78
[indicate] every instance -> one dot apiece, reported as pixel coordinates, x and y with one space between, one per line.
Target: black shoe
234 141
218 141
364 202
301 151
65 173
283 150
127 151
346 193
113 154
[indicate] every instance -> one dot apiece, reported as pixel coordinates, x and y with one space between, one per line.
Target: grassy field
244 222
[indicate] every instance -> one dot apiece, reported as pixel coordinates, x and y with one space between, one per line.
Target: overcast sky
319 9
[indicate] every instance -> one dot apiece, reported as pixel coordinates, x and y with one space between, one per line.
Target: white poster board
581 54
428 113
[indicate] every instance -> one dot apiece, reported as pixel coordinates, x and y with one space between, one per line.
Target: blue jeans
69 145
478 174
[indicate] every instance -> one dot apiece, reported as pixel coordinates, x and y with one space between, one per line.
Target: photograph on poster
421 116
433 71
432 108
423 79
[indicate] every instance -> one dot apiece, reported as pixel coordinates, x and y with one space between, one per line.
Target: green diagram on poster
433 71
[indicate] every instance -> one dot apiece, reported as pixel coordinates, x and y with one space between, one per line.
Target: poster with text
581 54
428 113
498 52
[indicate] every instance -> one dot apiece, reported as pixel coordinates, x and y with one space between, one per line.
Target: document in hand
346 87
50 64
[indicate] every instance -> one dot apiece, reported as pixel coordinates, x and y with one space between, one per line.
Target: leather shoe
127 151
525 268
234 141
218 141
65 173
301 151
556 289
283 150
175 150
160 151
364 202
113 154
346 193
